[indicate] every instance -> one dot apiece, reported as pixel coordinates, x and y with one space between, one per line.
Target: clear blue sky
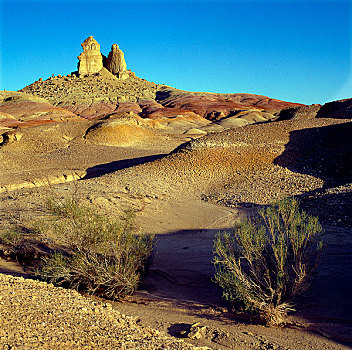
296 51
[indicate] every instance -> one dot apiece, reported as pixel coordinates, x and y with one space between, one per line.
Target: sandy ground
179 291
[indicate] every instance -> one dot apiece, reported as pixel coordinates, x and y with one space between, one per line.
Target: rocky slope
75 322
100 87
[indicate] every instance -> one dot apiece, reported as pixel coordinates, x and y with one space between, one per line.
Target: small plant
97 254
268 260
12 237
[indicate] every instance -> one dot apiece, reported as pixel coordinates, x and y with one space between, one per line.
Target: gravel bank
37 315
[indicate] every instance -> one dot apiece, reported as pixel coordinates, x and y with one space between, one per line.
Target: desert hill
188 164
19 110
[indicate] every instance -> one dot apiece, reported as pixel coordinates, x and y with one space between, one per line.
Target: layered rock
90 60
116 63
20 110
214 106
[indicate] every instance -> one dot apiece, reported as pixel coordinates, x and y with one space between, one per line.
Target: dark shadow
324 152
286 114
176 329
106 168
182 275
336 109
183 269
330 208
13 272
162 95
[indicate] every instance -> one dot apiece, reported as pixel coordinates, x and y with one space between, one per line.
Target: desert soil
185 198
29 309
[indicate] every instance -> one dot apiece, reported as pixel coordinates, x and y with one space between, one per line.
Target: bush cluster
268 260
88 251
102 255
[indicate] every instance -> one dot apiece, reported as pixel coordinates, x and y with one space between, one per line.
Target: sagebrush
103 255
87 250
269 259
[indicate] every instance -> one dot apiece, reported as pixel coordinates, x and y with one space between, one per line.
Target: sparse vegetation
90 251
12 237
103 256
268 260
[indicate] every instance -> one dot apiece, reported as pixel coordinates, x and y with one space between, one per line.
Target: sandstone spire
90 60
116 63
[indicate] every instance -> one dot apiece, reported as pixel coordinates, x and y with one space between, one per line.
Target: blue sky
296 51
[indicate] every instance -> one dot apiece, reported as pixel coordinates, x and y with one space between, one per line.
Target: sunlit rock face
116 63
90 60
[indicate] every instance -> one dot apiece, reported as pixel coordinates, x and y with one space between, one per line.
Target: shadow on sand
183 271
106 168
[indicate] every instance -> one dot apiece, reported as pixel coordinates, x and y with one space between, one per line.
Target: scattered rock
196 331
54 318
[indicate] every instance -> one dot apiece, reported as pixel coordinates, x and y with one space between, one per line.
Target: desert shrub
98 254
269 259
11 237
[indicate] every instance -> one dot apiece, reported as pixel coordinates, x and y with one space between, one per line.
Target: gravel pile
37 315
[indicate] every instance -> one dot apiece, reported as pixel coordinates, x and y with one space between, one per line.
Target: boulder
196 331
90 60
10 137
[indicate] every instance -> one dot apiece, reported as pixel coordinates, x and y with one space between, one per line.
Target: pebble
37 315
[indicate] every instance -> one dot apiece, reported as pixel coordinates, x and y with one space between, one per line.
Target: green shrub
97 254
268 260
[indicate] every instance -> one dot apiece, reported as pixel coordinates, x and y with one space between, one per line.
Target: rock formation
90 60
116 63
